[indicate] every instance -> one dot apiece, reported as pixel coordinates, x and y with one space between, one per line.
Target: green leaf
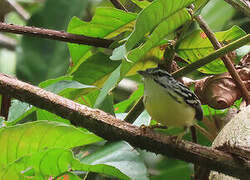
95 70
19 140
199 4
161 18
197 45
40 59
102 169
162 30
141 4
217 13
40 165
242 51
152 16
18 111
54 162
143 119
111 82
66 87
172 169
106 23
124 105
121 156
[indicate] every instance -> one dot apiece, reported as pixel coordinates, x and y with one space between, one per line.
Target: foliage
37 144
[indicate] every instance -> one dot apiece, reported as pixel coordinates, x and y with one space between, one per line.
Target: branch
56 35
19 9
7 42
111 128
226 60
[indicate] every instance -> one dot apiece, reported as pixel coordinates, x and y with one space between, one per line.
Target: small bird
168 101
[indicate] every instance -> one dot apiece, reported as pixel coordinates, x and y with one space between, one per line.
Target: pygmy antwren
168 101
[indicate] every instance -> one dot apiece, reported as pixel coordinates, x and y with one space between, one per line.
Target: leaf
66 87
152 16
141 4
18 111
111 82
242 51
217 13
95 70
197 45
40 59
172 169
19 140
167 17
161 31
124 105
52 163
199 4
121 156
106 23
41 165
143 119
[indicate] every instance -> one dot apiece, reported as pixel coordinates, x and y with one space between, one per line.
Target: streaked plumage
168 101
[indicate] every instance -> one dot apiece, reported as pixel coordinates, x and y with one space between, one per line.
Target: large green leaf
66 87
121 156
106 23
159 19
19 140
40 165
111 82
153 15
52 163
197 45
217 13
161 31
95 70
40 59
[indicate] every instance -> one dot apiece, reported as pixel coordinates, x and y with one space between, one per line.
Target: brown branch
19 9
5 106
226 60
111 128
118 5
56 35
7 42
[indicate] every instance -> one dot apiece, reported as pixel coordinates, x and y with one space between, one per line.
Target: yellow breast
166 107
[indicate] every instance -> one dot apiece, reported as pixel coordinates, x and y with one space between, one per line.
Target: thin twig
19 9
118 5
111 128
7 42
56 35
226 60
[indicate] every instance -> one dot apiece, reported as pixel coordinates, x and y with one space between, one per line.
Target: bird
168 101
